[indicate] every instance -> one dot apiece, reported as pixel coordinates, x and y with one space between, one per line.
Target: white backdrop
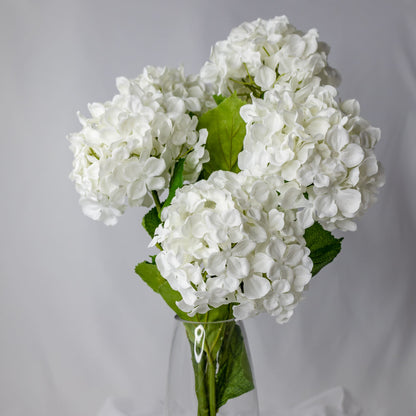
76 324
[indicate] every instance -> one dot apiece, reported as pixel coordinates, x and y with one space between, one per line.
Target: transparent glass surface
210 371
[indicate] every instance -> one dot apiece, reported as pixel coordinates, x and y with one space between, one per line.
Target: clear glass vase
210 371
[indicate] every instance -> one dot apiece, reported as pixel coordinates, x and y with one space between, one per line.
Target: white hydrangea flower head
267 53
225 240
129 145
323 151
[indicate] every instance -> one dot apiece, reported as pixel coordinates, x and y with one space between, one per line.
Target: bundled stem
221 367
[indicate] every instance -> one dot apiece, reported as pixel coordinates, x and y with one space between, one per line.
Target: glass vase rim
178 318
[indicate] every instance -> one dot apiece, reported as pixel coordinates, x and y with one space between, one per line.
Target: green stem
248 73
211 390
211 352
265 50
211 386
157 203
200 388
205 370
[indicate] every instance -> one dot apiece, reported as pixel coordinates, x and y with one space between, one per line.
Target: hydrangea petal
265 77
256 287
348 201
352 155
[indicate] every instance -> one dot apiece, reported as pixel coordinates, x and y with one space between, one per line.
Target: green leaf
226 132
323 245
151 275
219 98
176 181
234 376
222 313
151 221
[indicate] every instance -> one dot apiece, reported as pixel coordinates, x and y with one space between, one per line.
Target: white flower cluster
325 151
238 238
264 53
295 126
129 146
235 238
225 240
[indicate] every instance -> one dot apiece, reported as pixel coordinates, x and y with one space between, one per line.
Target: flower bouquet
247 168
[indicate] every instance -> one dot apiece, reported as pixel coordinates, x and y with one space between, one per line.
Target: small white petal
369 167
289 170
286 299
244 310
352 155
302 277
136 190
154 166
281 286
238 267
325 206
351 107
256 287
216 264
276 248
270 303
337 138
265 77
256 233
321 180
156 183
318 126
243 248
294 254
348 201
305 217
262 263
276 219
